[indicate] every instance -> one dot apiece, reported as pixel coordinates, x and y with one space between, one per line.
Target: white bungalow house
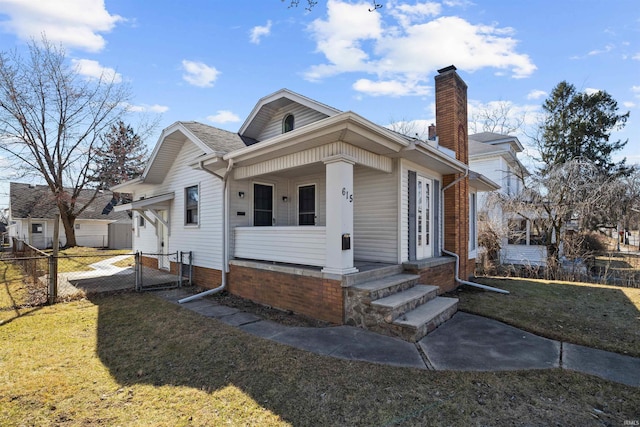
495 156
318 211
32 215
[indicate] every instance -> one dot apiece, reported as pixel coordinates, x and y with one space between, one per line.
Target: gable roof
267 105
37 201
207 138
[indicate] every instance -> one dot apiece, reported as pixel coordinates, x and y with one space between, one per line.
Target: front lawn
137 360
599 316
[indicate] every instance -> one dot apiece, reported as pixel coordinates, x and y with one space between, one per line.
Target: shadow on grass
145 340
599 316
13 306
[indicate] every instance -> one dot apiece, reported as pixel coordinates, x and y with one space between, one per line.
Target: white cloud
258 32
636 56
591 91
93 70
536 94
408 44
199 74
391 87
74 23
629 104
145 108
223 116
636 90
607 48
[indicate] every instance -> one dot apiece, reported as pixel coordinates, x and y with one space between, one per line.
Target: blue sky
211 60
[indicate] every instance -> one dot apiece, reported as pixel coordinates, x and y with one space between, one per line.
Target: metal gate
149 275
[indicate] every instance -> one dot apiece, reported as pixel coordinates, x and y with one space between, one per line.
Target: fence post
180 255
53 279
137 271
190 267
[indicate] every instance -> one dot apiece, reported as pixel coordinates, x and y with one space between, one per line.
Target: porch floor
362 266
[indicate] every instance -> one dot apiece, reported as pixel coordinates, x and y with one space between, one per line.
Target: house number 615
347 195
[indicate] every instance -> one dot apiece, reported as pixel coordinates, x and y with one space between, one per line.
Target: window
287 123
537 233
262 205
473 225
191 205
36 228
307 205
141 222
517 232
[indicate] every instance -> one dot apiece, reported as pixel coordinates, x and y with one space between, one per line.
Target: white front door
424 217
163 243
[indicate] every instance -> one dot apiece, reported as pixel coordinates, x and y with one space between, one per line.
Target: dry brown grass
136 360
599 316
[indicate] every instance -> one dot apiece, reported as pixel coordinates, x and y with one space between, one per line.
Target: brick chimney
451 122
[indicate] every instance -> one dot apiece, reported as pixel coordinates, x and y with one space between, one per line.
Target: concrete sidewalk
464 343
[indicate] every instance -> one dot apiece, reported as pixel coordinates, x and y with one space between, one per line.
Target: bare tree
559 203
418 129
497 117
51 119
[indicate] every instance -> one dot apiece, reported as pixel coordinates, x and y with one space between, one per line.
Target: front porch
382 297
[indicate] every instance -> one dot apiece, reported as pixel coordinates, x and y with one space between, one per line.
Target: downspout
458 279
225 195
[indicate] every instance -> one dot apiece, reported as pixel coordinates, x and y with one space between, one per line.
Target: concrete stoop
397 305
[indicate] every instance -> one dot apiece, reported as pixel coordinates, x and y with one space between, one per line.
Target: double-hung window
192 197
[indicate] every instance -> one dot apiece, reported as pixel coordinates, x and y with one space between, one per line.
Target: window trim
315 204
274 205
284 123
473 221
195 224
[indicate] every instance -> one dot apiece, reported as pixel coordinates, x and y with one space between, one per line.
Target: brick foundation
208 278
439 273
311 296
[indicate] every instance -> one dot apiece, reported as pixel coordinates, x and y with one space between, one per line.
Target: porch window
287 123
191 205
262 205
517 232
307 205
537 233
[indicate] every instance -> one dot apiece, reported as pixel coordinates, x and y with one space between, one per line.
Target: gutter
225 196
457 257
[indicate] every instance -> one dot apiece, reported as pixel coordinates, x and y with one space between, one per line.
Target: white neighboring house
32 213
496 157
296 206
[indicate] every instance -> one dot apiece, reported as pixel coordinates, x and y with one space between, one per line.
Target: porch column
339 212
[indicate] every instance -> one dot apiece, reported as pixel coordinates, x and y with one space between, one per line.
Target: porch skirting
307 294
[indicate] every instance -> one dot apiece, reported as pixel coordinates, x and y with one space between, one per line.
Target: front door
424 218
263 205
163 243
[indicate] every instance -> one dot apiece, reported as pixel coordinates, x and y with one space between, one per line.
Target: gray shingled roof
38 202
219 140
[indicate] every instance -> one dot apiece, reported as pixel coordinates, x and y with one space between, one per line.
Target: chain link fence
30 277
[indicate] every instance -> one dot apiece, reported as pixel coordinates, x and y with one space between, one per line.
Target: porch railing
294 245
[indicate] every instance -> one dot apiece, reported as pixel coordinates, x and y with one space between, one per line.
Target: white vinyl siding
375 215
303 116
295 245
204 241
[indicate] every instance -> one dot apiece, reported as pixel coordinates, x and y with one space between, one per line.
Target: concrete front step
385 286
417 323
393 306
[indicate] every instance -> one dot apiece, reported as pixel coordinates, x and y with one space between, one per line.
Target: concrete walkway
464 343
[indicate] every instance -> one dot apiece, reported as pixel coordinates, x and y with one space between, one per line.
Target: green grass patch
136 360
599 316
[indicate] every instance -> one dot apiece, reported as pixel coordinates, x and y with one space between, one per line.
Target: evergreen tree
122 156
578 126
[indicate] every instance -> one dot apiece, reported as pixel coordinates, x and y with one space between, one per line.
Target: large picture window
192 197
